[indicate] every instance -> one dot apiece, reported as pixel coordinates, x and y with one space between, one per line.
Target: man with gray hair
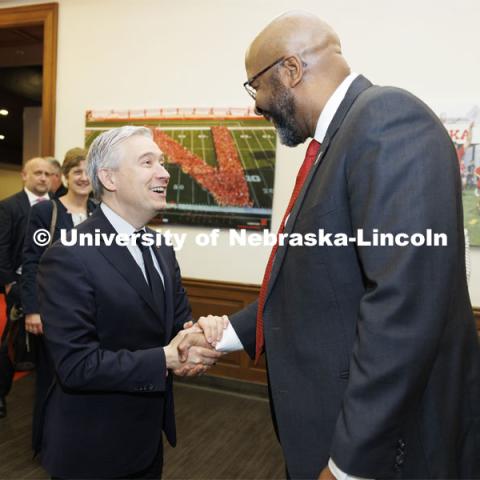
112 315
57 188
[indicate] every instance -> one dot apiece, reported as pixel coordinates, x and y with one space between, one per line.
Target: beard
282 113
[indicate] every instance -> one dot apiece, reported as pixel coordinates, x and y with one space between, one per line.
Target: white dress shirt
122 226
331 107
230 341
34 199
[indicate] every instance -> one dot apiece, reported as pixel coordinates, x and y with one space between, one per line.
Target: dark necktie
153 278
307 164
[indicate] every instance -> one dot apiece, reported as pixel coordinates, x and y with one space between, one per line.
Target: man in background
57 188
14 212
372 354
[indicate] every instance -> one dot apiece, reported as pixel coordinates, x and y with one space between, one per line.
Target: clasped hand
192 352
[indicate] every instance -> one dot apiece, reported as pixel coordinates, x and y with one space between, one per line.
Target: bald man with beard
372 354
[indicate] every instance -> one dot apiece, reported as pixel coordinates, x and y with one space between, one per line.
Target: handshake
192 352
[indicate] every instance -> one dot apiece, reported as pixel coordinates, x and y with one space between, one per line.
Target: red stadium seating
227 182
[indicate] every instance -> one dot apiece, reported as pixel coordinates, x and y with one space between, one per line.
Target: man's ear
107 179
294 68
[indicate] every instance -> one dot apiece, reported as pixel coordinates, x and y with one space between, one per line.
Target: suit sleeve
402 178
68 309
182 312
31 257
7 273
244 323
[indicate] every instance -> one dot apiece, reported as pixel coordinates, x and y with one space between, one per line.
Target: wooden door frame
45 14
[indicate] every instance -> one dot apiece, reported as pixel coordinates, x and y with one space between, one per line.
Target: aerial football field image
221 165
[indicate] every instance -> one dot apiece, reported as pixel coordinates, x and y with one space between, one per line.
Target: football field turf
471 213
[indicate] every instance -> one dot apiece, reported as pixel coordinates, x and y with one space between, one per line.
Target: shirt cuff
230 341
339 474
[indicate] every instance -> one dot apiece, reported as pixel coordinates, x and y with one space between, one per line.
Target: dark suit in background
13 221
61 191
41 218
372 353
104 417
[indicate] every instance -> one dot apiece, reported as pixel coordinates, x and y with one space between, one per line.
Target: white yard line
265 132
255 159
203 150
252 190
179 176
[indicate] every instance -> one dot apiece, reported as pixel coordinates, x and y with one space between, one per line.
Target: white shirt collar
32 198
118 223
331 107
122 226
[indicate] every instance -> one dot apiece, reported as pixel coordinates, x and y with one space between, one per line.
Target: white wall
151 53
32 132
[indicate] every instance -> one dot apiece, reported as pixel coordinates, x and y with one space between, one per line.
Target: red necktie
307 164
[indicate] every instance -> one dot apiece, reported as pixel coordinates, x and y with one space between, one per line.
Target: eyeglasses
248 84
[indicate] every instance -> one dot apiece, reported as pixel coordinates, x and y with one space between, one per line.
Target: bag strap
53 222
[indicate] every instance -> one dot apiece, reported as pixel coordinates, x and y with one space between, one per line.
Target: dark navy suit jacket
40 217
105 415
13 221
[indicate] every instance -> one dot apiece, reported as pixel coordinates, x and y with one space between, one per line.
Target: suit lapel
121 259
359 85
24 202
63 216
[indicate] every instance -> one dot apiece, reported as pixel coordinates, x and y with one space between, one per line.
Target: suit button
401 443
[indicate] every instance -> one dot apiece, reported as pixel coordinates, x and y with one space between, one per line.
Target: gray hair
103 152
55 164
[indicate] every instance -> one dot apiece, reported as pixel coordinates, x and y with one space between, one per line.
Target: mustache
265 114
259 111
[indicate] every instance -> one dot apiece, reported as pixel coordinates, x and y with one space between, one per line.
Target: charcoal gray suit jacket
372 353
